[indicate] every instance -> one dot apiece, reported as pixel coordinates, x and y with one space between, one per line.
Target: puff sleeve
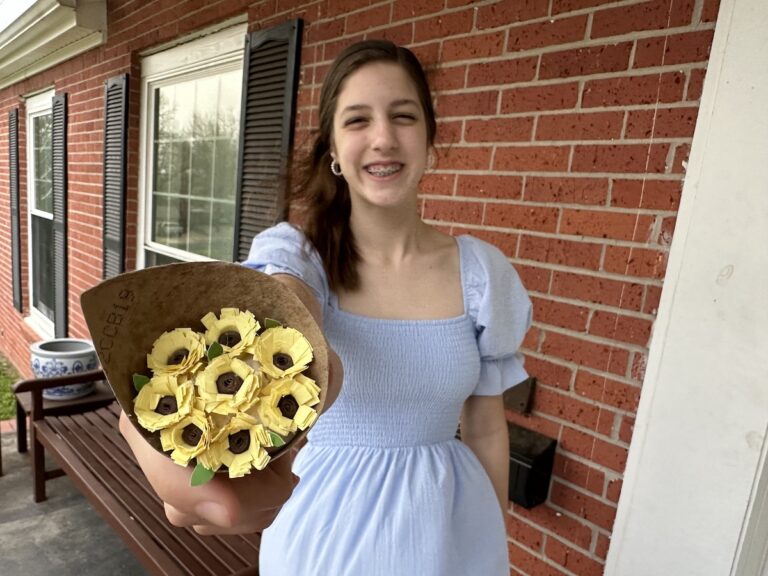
501 310
283 249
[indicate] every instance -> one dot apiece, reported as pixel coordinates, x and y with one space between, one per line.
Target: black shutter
115 142
13 159
270 81
59 176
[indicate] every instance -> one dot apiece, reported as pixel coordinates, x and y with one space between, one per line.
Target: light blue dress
386 489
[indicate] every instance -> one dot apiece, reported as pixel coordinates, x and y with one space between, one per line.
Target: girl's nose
384 137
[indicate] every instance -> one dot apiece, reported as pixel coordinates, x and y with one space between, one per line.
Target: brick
473 47
501 72
523 533
365 19
652 298
448 132
641 262
547 33
607 391
532 158
573 560
521 559
490 186
447 78
626 429
604 291
561 6
504 241
695 84
452 211
710 10
602 545
634 90
622 158
590 191
521 216
590 126
585 61
582 505
498 130
508 11
549 373
444 25
468 104
614 225
464 158
680 163
639 362
531 340
586 353
673 49
322 31
563 252
404 9
578 473
428 54
532 98
661 123
440 184
402 35
554 521
651 15
610 455
565 407
667 231
534 278
606 422
341 7
647 194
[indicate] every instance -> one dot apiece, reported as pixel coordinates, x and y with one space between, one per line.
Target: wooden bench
91 451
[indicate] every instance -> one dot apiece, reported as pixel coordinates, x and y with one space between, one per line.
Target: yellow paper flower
163 401
239 446
234 330
286 404
282 351
187 438
228 385
179 351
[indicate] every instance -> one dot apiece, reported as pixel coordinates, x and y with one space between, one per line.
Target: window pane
195 146
42 266
43 163
154 259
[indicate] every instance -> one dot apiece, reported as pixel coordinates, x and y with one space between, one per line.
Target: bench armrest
43 383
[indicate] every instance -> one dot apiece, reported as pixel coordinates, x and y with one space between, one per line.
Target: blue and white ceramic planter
62 357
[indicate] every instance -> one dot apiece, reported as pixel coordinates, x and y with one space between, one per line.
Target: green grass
7 377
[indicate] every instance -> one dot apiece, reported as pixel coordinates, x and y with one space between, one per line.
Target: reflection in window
195 144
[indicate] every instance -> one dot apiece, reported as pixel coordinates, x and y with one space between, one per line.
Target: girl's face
380 136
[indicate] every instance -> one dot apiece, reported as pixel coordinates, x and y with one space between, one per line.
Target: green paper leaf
139 381
277 440
271 323
214 350
201 475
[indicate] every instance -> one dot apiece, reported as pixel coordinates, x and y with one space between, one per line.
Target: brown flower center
229 338
191 435
167 405
228 383
288 406
282 361
178 356
239 442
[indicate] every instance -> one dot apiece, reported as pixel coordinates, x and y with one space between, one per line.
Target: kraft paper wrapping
127 313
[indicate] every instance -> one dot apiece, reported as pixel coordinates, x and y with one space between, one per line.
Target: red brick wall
564 129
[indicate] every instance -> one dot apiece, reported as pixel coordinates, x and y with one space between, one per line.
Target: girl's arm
484 430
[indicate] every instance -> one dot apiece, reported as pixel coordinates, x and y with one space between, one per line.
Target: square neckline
333 302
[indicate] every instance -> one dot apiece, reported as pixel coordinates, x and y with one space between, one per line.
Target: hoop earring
335 168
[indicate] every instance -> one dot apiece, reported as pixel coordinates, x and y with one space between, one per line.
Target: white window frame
221 51
38 105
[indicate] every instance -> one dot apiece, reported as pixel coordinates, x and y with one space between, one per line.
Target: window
191 109
39 122
216 136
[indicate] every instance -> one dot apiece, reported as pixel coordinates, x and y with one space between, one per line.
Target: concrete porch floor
63 536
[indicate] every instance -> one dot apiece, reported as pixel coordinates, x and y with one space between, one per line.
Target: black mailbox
531 456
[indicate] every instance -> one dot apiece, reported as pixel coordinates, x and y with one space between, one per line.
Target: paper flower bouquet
198 373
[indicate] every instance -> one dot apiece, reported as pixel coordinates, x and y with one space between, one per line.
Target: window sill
37 328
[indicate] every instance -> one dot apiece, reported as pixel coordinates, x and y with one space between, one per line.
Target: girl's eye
354 120
405 116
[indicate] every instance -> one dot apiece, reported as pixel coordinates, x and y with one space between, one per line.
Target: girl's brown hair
324 197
